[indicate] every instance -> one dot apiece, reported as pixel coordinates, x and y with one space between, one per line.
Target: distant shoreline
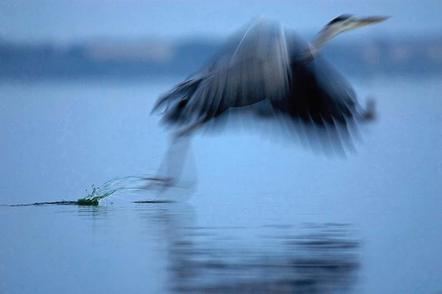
156 59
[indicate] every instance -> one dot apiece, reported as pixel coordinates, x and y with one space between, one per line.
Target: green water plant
93 199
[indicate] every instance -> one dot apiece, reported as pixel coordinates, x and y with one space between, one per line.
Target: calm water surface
264 215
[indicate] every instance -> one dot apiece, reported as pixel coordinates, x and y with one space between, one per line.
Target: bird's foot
159 182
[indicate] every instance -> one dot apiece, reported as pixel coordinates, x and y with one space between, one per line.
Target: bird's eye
340 18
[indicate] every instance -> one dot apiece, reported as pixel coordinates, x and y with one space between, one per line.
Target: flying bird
269 71
265 63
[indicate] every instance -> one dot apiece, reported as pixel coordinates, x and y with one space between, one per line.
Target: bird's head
344 23
348 22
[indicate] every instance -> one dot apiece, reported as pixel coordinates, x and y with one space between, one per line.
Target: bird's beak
360 22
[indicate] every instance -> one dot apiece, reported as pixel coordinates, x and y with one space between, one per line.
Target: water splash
131 185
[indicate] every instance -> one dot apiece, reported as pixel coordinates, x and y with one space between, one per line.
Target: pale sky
70 20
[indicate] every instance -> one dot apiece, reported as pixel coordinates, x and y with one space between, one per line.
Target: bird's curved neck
325 35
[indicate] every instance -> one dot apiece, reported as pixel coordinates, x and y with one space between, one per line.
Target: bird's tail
173 103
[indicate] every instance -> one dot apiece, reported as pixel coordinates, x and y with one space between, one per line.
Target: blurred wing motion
253 65
266 66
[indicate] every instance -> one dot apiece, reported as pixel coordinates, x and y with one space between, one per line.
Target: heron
270 71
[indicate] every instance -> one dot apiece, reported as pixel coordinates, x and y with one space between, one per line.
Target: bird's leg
187 131
172 165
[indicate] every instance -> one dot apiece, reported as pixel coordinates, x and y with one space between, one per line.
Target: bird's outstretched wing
321 103
254 65
318 95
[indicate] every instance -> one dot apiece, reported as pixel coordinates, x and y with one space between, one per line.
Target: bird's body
266 63
266 66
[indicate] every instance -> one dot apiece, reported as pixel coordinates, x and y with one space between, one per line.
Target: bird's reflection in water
314 258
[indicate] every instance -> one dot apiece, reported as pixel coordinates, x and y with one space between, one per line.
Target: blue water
263 215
